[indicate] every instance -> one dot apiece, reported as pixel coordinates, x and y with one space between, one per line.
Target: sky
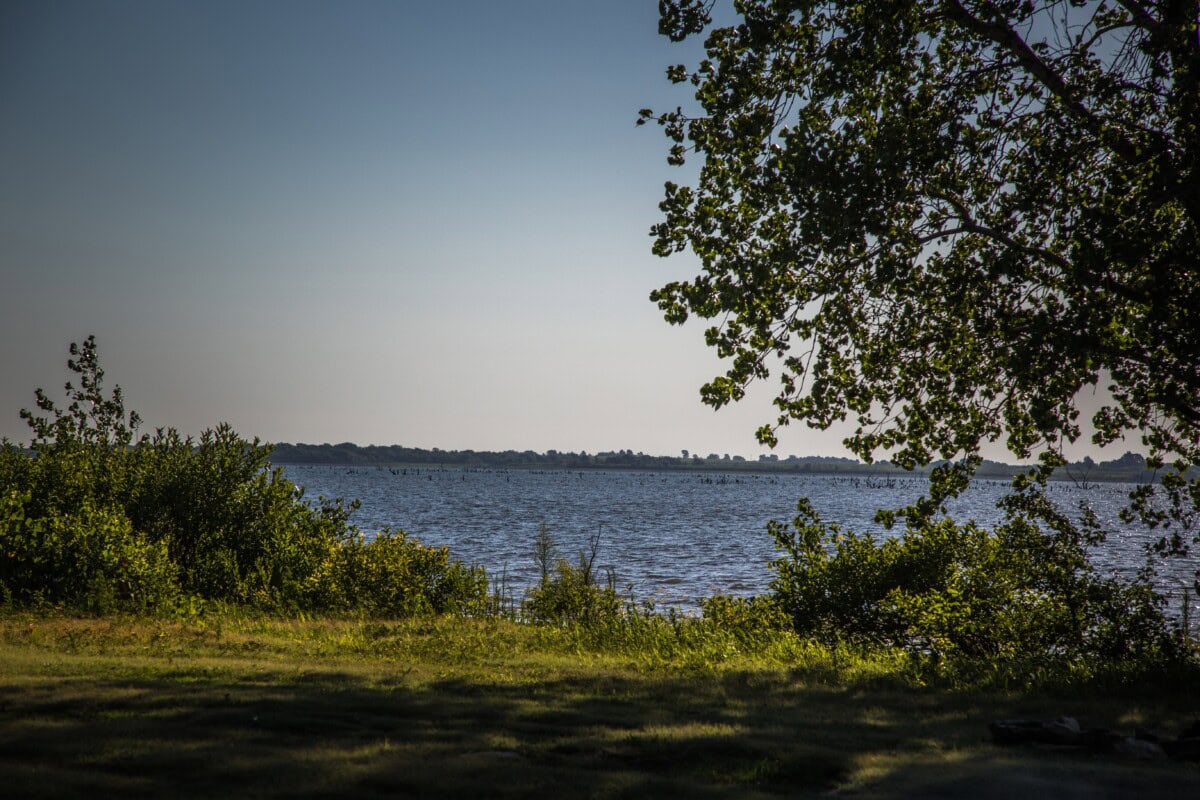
414 223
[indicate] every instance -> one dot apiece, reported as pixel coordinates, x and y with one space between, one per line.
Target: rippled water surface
669 536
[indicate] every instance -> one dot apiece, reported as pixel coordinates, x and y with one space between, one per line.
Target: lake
670 537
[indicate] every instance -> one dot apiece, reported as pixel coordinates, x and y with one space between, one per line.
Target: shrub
394 576
1012 601
570 593
751 620
90 560
236 529
94 519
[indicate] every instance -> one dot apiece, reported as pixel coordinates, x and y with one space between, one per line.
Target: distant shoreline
1129 468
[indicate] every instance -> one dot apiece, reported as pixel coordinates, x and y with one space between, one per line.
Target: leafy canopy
944 220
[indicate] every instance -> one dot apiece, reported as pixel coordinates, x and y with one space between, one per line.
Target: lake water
670 537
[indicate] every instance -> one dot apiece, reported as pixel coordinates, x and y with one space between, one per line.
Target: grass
243 706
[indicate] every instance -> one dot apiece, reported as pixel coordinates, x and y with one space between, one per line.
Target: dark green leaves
679 19
960 214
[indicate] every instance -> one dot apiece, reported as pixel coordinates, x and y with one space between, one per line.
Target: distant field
252 707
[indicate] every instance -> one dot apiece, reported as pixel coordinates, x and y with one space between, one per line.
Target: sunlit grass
237 704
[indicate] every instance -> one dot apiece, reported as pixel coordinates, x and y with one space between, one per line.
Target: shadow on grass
326 734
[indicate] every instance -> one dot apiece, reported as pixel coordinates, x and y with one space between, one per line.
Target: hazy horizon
419 224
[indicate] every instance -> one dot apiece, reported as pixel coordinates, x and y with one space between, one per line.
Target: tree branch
1141 17
969 226
1004 36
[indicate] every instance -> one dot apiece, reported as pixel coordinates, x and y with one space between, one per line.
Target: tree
91 419
944 220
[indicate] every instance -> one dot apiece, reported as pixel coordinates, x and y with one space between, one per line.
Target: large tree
945 220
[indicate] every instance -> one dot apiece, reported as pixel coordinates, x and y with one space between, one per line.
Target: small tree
90 419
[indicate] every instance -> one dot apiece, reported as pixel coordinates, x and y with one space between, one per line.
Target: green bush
751 620
1017 602
392 575
94 519
91 560
237 529
570 593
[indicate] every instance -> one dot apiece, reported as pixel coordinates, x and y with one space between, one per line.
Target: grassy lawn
252 707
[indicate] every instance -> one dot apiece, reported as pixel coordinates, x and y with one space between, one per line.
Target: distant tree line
1129 468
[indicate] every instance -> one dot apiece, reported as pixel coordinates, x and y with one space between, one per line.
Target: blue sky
417 223
380 222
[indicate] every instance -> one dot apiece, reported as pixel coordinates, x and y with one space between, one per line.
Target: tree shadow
326 734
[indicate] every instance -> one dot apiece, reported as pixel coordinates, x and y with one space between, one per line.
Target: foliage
96 519
92 423
236 529
751 620
1015 602
391 575
946 220
570 593
91 560
570 602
